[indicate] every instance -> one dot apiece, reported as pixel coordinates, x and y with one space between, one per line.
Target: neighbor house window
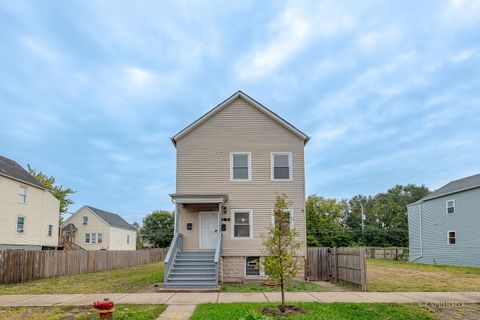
252 266
450 206
87 237
94 237
240 166
22 194
85 220
99 238
281 166
50 230
452 237
128 239
242 224
288 217
20 224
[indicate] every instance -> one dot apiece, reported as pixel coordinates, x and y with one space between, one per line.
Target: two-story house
29 213
231 164
96 229
443 227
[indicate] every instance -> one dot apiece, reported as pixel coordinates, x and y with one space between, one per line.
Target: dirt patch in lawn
456 311
287 311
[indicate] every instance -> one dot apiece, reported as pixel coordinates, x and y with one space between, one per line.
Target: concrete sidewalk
227 297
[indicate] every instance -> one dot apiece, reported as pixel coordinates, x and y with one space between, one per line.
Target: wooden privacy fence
348 265
390 253
18 266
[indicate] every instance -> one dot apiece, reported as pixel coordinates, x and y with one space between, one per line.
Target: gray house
444 227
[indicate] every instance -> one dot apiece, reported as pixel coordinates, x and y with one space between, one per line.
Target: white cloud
296 27
138 77
463 55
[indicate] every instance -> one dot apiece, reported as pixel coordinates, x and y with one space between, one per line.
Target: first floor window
94 238
99 238
22 194
50 230
252 265
87 237
242 224
20 224
452 237
287 219
450 206
128 239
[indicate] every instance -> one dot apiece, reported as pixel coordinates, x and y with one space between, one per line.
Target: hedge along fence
347 265
18 266
389 253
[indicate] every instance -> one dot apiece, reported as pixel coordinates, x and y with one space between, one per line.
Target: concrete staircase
193 270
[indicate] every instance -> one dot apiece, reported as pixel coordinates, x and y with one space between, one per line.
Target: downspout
421 234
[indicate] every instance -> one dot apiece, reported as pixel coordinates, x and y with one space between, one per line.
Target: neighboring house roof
455 186
70 228
251 101
13 170
113 219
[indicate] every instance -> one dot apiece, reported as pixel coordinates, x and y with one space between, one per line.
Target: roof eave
22 181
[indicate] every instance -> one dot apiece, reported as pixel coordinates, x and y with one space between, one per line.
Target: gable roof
13 170
455 186
252 102
113 219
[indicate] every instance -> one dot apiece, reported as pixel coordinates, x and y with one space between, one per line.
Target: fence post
363 270
335 261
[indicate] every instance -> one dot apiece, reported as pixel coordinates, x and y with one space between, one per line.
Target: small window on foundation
252 266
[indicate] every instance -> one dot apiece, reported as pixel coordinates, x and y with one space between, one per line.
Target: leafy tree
58 191
139 244
281 248
325 219
158 228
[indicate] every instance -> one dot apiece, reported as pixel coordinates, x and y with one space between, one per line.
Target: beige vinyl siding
118 239
203 166
40 209
95 225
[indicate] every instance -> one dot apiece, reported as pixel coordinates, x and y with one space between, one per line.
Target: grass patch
390 275
317 311
112 281
292 286
122 312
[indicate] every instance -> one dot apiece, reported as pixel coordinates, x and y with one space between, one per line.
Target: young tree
281 247
139 244
58 191
158 228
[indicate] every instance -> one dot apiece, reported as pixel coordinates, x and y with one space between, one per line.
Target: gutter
421 234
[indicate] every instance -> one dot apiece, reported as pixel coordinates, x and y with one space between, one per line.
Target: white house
29 213
95 229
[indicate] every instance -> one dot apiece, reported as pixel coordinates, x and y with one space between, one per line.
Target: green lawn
390 275
317 311
292 286
122 312
112 281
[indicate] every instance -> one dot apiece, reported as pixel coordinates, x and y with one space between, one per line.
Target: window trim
16 225
26 193
249 159
89 238
260 269
48 230
292 217
454 206
448 238
250 223
272 165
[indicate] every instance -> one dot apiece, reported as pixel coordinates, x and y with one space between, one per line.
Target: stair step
191 285
193 259
193 268
193 264
190 279
191 275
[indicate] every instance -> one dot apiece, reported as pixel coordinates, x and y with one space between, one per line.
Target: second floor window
85 220
87 237
450 206
128 239
240 166
50 230
22 194
282 166
20 224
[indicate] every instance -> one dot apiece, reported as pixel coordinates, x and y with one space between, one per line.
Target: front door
208 230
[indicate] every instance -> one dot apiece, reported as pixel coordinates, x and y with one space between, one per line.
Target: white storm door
208 230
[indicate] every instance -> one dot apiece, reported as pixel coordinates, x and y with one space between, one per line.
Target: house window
22 194
252 266
240 166
94 238
99 238
128 239
450 206
87 237
85 220
281 166
20 224
50 230
288 217
242 224
452 237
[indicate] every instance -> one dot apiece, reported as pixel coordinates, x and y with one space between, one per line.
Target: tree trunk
282 306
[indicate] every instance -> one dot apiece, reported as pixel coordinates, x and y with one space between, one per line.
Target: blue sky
90 92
